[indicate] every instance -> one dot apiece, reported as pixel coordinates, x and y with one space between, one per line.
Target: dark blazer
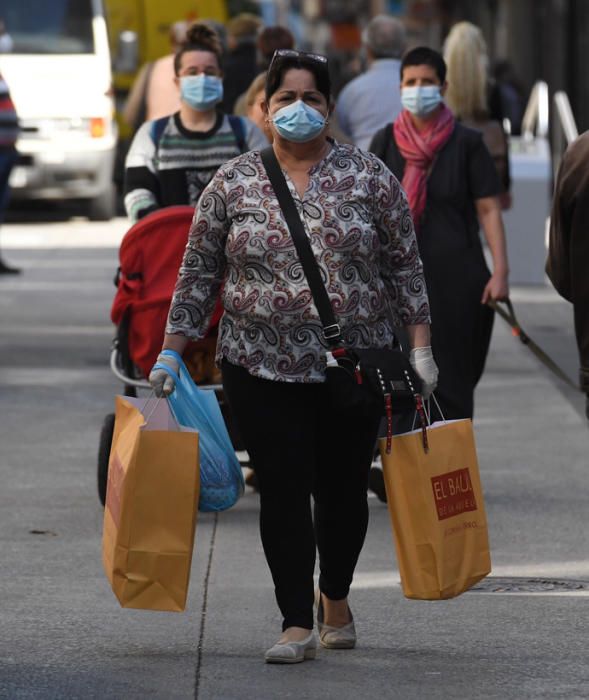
239 70
568 256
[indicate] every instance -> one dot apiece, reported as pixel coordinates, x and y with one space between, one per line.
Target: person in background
453 187
240 65
507 99
372 99
272 349
469 94
172 159
154 93
255 98
221 31
568 255
6 41
270 39
8 155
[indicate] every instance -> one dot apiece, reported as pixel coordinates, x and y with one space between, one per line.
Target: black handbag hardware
332 332
369 379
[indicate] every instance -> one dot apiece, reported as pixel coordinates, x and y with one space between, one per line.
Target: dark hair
271 39
199 37
284 60
424 56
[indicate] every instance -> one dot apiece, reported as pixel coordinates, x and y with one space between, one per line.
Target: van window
41 27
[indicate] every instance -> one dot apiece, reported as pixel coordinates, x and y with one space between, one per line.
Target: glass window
39 26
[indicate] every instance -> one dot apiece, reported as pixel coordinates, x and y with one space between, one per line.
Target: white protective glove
422 361
161 382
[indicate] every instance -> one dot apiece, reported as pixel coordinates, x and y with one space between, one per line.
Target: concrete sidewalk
64 635
533 453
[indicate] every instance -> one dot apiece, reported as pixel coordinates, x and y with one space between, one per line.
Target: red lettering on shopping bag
116 473
453 493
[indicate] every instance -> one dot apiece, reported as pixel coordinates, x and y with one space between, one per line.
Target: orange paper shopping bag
151 506
437 510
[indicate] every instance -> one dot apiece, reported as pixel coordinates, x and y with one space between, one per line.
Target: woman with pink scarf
453 187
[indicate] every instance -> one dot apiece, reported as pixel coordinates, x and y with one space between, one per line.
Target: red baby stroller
150 256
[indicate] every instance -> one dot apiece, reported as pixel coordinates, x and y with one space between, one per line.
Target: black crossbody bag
371 381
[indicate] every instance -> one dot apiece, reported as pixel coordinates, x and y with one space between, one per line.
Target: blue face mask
421 100
298 122
201 92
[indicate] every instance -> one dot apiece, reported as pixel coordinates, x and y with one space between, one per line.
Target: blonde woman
470 95
465 53
254 100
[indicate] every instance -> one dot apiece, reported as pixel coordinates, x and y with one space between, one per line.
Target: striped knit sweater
177 168
8 119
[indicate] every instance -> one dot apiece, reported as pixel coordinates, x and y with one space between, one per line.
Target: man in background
270 39
568 255
373 99
240 66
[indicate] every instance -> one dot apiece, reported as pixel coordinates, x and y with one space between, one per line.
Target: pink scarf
419 149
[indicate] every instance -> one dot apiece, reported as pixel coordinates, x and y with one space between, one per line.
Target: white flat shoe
335 637
292 652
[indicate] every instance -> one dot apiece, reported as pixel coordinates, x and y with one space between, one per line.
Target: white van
59 74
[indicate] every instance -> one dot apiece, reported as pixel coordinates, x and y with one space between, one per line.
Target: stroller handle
121 376
143 383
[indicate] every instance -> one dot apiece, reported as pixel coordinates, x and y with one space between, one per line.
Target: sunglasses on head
291 53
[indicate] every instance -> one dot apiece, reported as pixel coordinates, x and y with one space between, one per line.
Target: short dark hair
199 37
284 60
272 38
424 56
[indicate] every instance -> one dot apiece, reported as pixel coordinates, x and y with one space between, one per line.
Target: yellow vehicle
139 32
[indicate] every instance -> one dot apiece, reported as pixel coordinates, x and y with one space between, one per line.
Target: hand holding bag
221 477
367 380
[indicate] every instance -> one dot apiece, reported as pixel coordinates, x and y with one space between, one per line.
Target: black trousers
8 157
300 448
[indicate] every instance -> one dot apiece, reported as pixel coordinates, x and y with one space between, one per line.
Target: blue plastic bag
221 478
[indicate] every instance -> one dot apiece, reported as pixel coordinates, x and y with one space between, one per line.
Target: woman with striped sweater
172 160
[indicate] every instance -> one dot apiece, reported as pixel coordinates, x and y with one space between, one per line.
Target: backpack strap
157 129
238 128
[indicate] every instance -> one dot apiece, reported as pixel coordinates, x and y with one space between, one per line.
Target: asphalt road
62 633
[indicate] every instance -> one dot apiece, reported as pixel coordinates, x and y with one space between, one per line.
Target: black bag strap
331 329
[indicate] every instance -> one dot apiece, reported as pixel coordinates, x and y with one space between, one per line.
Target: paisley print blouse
358 221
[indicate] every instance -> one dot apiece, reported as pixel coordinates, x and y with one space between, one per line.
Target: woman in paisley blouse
271 347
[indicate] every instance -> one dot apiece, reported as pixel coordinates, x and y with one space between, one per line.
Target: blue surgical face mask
421 100
298 122
201 92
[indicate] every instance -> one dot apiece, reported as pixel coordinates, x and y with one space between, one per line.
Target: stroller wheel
106 435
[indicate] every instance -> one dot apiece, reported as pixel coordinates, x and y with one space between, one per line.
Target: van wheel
103 207
104 445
